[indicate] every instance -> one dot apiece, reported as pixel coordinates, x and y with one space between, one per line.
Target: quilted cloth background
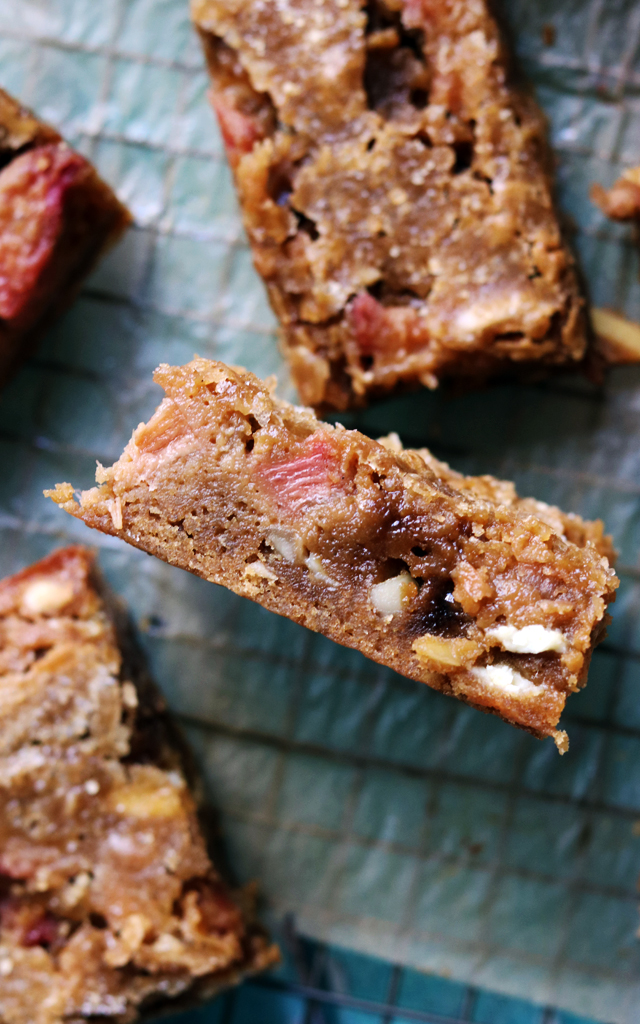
388 818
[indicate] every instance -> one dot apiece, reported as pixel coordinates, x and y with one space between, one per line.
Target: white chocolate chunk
392 596
44 597
505 678
529 639
286 544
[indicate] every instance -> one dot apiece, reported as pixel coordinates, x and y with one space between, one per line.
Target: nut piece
445 653
45 597
392 596
286 544
259 568
617 339
317 571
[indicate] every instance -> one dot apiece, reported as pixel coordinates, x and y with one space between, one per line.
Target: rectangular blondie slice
478 598
109 903
57 217
396 189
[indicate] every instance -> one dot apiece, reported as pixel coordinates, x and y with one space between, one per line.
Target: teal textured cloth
388 818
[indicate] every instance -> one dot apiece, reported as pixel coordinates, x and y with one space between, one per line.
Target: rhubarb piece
57 217
396 189
477 597
622 200
109 902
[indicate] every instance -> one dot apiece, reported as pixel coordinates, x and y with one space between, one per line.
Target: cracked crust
396 190
450 581
109 903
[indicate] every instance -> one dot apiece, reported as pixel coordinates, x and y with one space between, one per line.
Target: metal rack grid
388 818
318 988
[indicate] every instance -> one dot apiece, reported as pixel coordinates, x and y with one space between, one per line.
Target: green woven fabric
387 817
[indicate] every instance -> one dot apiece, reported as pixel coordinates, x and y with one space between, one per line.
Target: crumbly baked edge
163 746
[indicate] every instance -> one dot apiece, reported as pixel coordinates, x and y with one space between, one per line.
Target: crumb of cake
396 189
57 217
108 899
451 580
622 200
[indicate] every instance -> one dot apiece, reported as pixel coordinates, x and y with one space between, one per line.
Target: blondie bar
478 598
109 903
57 217
396 189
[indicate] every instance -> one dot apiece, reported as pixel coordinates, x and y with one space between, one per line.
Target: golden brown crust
502 492
363 544
396 190
57 217
108 899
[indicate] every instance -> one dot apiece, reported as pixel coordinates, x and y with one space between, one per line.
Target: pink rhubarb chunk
33 189
379 328
310 477
240 131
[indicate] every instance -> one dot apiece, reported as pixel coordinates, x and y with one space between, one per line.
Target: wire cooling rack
390 820
319 984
